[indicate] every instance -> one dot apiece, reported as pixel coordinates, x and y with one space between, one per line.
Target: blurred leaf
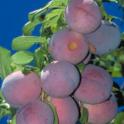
116 72
13 120
116 86
121 58
28 68
38 57
121 2
4 109
22 57
120 97
84 116
5 62
16 67
111 62
114 1
119 118
81 67
25 42
56 121
1 97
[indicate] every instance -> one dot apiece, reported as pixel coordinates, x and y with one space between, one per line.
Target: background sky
13 15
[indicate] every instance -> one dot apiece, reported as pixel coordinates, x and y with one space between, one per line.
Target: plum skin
20 89
83 16
105 39
35 112
60 78
68 45
96 85
102 113
66 109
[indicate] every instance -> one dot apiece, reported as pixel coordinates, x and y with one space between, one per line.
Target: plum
35 112
105 39
60 78
66 109
68 45
96 85
83 16
20 89
102 113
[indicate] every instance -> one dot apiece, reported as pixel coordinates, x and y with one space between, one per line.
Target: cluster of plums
67 88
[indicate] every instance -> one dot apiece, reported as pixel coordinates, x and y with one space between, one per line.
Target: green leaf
53 13
58 3
22 57
29 27
1 97
113 1
42 11
56 121
53 19
37 13
116 72
80 67
28 68
4 108
119 118
16 67
25 42
41 58
4 111
84 116
5 61
13 120
108 1
38 57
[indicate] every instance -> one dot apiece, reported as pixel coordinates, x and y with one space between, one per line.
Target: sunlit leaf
22 57
25 42
119 118
5 62
29 27
53 20
13 120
